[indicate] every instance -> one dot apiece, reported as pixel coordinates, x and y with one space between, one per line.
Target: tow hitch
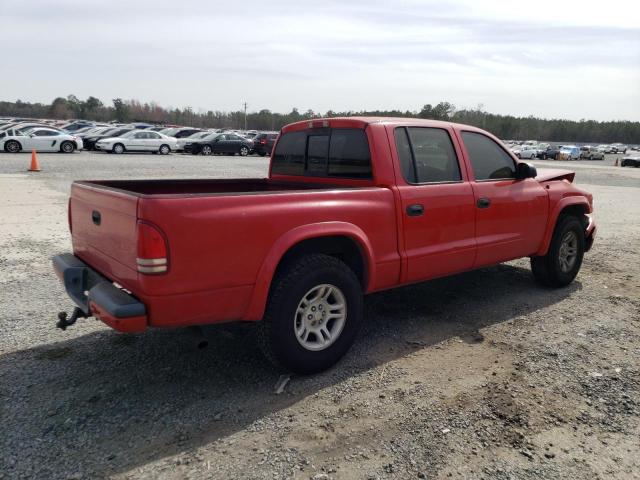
64 322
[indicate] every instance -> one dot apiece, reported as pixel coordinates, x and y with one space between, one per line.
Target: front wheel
244 151
562 262
206 150
118 148
164 150
313 314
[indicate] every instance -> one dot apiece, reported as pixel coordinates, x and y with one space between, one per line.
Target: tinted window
45 133
289 155
427 155
404 154
317 151
488 159
337 152
349 154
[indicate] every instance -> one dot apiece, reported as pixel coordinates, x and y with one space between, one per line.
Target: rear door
153 141
511 214
437 203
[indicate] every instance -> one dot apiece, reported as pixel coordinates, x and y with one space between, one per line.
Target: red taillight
69 215
152 249
263 142
319 124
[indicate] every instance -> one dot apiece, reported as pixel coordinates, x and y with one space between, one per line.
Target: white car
40 139
526 151
138 141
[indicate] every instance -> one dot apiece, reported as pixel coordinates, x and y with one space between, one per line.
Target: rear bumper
97 296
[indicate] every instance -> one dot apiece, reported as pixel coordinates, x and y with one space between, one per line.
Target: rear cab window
327 152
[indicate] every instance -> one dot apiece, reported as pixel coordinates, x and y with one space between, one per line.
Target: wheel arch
344 241
575 205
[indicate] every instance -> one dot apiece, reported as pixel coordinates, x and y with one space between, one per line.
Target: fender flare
553 219
258 302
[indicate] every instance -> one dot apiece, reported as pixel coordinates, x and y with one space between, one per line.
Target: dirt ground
480 375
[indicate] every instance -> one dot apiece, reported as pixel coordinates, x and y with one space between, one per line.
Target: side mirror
525 170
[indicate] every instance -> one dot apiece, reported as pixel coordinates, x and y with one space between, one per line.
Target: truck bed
204 186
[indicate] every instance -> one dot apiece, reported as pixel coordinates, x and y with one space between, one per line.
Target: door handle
415 210
96 217
483 202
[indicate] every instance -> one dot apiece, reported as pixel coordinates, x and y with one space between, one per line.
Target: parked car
344 212
569 152
526 151
76 125
618 148
263 143
91 140
606 149
40 139
138 141
222 143
630 162
548 152
197 136
591 153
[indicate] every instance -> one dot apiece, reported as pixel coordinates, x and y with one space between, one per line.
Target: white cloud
552 59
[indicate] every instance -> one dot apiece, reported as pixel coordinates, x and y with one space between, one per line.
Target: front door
511 214
437 204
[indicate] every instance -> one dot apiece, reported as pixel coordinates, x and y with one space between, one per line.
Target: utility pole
245 116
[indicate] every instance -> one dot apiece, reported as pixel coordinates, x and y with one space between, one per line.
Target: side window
289 155
404 154
317 150
488 159
140 135
153 135
427 155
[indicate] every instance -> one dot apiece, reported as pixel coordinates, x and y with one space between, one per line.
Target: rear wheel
244 151
12 146
118 148
67 147
562 262
313 314
164 150
206 150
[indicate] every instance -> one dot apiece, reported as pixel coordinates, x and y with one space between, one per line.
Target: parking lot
481 375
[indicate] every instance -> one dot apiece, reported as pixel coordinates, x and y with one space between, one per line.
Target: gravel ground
481 375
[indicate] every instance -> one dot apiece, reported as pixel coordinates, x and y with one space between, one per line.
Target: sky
546 58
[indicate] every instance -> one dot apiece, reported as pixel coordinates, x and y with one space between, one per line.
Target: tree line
503 126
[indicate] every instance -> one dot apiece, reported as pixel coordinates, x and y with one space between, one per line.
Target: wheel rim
66 147
320 317
244 151
568 251
164 150
12 147
118 149
206 150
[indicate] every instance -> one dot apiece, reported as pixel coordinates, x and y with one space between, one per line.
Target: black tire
294 281
118 148
547 270
544 156
12 146
67 147
164 150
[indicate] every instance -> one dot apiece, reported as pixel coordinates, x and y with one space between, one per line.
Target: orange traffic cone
35 166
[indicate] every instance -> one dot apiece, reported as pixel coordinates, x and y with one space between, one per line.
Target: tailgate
103 229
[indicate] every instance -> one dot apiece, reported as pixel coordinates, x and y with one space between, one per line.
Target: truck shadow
111 403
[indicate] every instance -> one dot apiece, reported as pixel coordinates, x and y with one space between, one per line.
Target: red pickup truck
351 206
